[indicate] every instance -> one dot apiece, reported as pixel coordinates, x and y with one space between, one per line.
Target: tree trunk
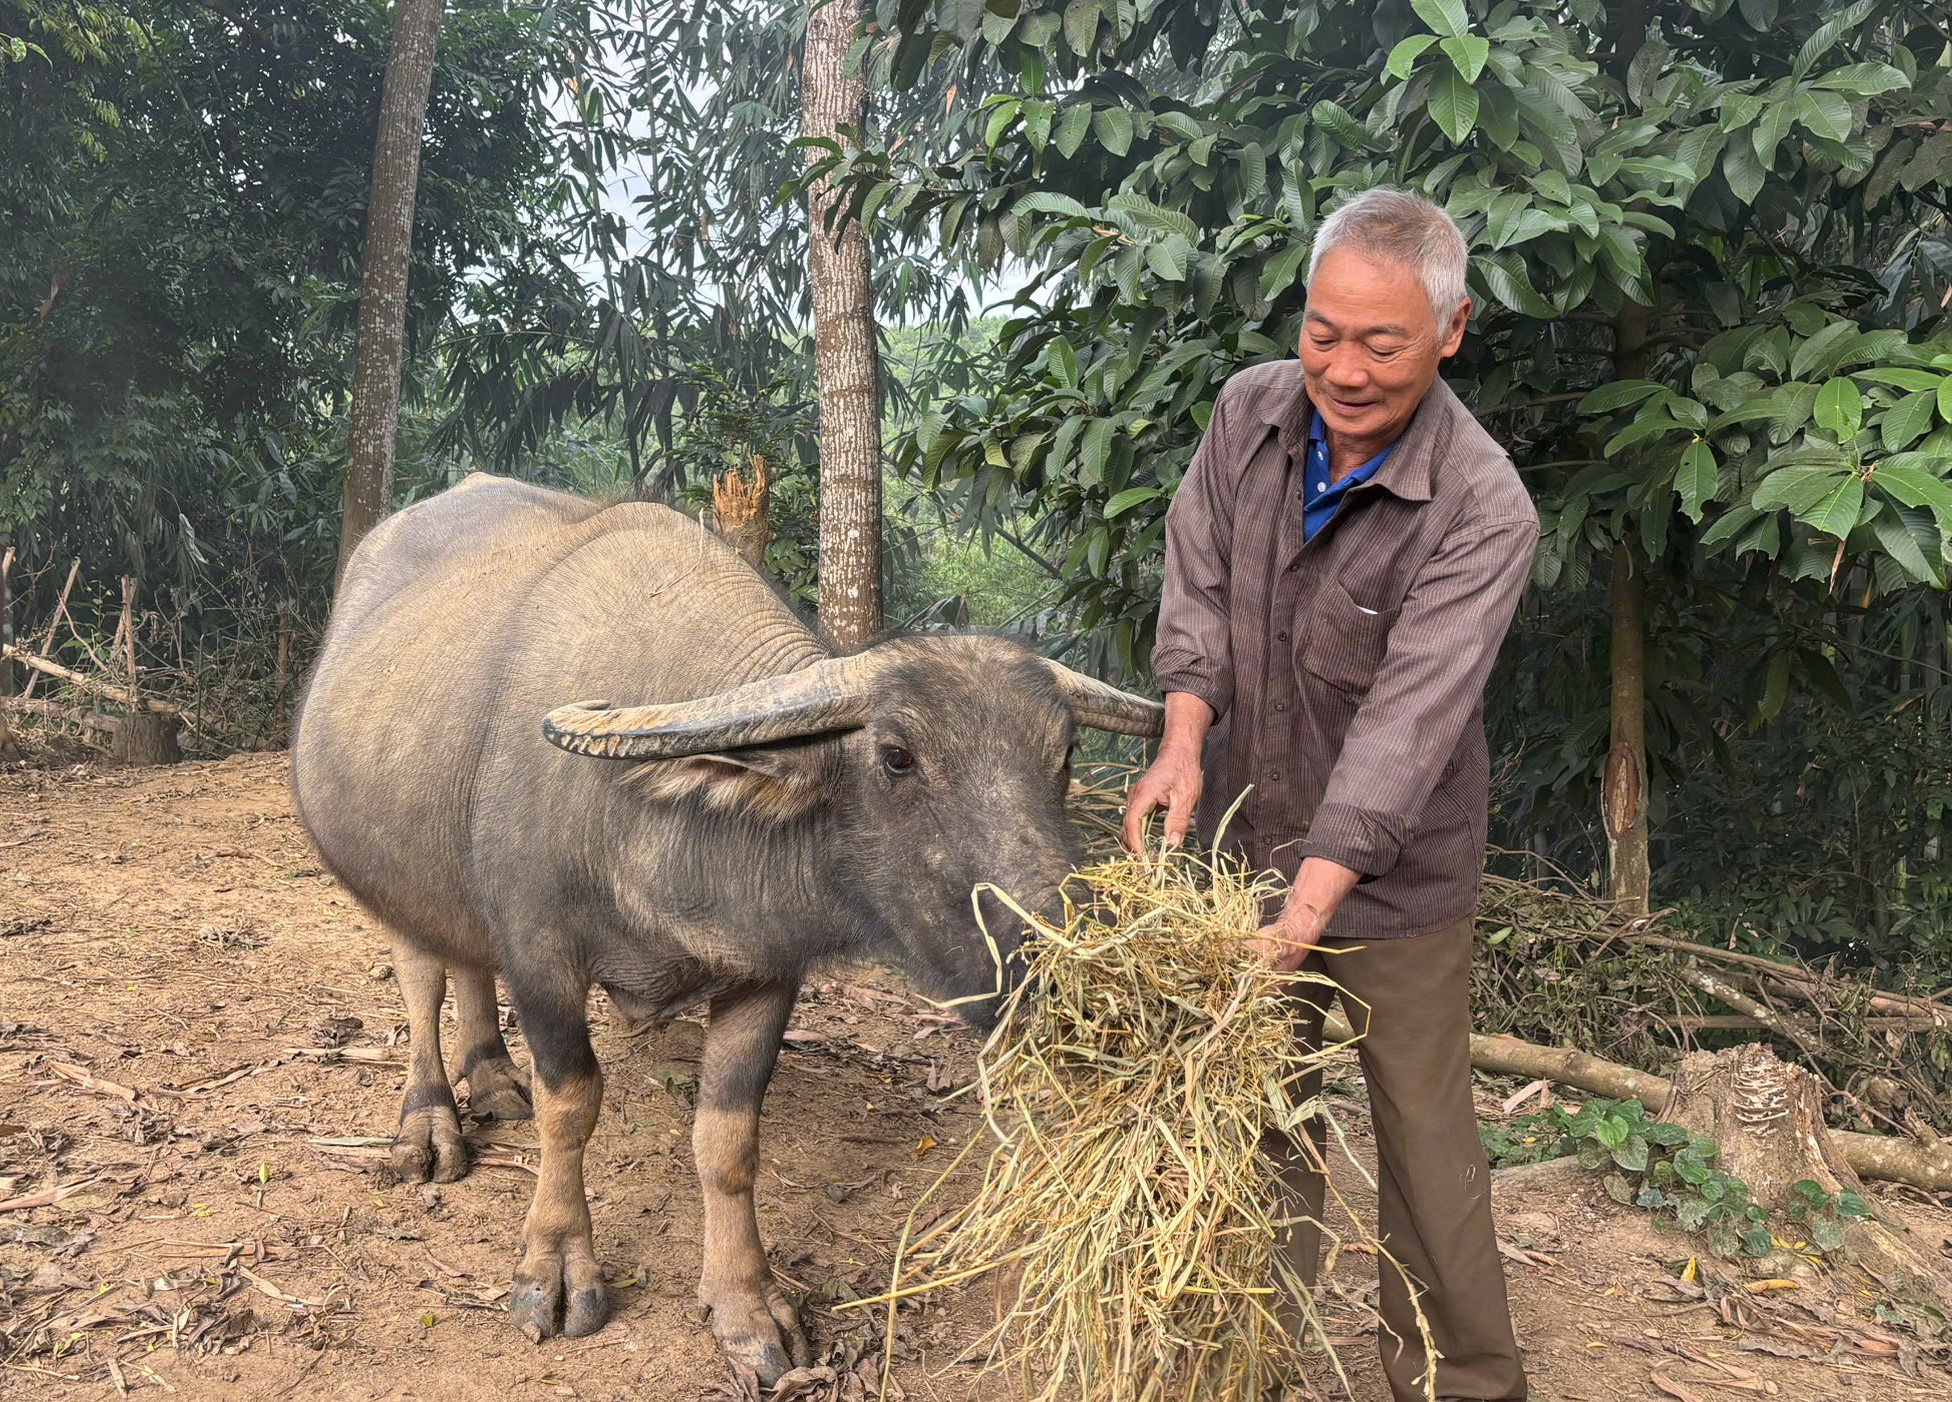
1624 796
383 281
8 749
844 354
1766 1117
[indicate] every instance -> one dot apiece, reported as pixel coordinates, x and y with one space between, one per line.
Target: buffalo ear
777 783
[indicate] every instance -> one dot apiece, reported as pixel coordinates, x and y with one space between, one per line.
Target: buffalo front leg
558 1287
496 1090
428 1142
751 1319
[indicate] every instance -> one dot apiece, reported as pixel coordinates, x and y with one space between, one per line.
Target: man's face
1370 345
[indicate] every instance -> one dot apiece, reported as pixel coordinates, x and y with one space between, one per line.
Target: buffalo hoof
496 1091
558 1291
429 1145
758 1330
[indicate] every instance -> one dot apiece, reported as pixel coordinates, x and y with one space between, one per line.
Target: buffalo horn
828 696
1104 707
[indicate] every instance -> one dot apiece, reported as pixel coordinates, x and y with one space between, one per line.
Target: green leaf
1618 1188
1828 33
1281 270
1840 408
1836 514
1001 116
1081 26
1445 16
1824 114
1504 274
1905 480
1862 79
1403 57
1253 173
1800 488
1632 1154
1064 362
1071 129
1468 53
1899 377
1906 421
1167 258
1743 171
1618 394
1049 202
1454 107
1095 451
1128 499
1827 1233
1894 536
1819 355
1945 399
1698 481
1114 128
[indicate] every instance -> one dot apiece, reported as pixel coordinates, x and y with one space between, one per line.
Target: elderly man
1342 562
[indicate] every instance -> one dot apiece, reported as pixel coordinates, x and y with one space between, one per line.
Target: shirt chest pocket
1343 642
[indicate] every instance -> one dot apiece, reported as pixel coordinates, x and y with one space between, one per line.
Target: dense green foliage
1709 246
183 231
1710 252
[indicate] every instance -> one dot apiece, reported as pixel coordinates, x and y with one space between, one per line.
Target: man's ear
777 782
1454 333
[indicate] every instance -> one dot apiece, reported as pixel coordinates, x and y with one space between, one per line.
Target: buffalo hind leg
428 1143
752 1320
496 1090
558 1287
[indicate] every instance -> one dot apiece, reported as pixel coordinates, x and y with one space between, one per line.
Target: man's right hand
1173 783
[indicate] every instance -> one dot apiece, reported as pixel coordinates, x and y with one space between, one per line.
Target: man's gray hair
1396 226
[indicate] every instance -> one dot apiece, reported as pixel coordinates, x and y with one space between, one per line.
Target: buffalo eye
897 761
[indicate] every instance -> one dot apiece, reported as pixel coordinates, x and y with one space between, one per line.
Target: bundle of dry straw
1125 1209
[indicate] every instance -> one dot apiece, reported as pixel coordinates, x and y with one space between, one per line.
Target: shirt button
1280 637
1292 568
1273 774
1280 705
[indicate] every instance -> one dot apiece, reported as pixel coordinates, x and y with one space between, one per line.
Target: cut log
1922 1165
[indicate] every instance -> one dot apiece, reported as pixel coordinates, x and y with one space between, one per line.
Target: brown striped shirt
1348 670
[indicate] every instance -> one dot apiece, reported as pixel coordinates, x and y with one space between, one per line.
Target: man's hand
1285 944
1173 783
1319 888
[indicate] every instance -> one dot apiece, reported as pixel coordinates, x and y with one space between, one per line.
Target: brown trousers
1409 1000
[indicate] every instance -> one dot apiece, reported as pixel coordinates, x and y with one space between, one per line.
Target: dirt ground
200 1060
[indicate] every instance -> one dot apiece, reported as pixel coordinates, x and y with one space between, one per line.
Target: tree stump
1767 1118
741 512
147 737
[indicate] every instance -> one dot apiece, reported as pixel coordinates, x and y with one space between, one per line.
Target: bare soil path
200 1058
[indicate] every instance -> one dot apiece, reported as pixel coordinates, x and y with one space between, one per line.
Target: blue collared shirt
1321 497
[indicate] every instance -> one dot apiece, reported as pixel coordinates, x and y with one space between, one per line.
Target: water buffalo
760 805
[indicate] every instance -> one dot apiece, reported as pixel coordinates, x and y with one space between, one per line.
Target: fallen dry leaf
1675 1389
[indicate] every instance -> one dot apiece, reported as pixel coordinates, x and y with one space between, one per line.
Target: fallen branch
1926 1166
88 1081
88 683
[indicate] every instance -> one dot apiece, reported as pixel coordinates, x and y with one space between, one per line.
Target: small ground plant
1650 1163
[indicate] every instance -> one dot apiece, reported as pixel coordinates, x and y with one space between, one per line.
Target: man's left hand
1285 944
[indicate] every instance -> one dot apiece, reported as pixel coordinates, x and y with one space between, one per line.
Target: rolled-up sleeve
1194 651
1429 685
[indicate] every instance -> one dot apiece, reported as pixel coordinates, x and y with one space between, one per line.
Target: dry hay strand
1126 1211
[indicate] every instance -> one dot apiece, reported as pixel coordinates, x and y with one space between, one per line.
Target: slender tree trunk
844 355
1624 800
383 282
